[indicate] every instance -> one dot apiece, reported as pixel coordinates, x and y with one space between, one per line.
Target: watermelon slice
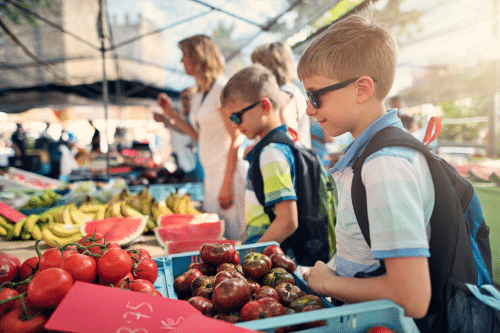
184 219
182 232
193 244
122 230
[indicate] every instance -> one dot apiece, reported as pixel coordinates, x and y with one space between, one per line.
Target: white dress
214 142
297 109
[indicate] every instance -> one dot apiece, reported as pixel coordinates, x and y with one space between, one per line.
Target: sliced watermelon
193 244
213 230
184 219
122 230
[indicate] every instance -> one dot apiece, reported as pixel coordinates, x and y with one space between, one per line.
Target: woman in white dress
219 141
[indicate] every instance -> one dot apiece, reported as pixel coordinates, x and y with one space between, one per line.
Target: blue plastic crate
161 191
355 318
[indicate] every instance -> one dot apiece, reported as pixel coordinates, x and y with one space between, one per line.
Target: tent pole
100 31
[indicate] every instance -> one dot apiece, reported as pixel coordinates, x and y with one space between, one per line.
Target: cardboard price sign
11 213
89 308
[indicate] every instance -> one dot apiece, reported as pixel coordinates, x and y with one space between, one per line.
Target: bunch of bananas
46 199
181 204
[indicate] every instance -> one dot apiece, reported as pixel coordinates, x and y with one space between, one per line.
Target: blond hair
207 57
278 57
352 47
251 84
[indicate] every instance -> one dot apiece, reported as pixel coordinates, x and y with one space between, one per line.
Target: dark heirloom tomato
230 294
230 318
9 267
203 305
288 293
316 323
227 266
254 286
203 286
266 291
300 303
271 249
276 276
262 308
217 253
256 265
236 258
203 267
283 261
182 283
225 275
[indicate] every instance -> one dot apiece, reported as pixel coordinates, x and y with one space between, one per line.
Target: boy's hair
251 84
350 48
207 57
278 57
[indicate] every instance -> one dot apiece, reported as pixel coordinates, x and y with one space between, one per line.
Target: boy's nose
310 110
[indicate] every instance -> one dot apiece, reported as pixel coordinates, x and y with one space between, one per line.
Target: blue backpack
463 298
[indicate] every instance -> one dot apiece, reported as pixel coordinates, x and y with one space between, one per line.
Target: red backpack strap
434 125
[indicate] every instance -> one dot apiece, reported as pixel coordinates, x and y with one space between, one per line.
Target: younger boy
347 73
251 99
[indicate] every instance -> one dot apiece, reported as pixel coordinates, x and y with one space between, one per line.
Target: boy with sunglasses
347 72
251 100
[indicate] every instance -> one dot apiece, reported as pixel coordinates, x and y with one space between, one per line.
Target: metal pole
100 30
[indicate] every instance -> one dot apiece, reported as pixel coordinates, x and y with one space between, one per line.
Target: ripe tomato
5 294
146 269
14 321
124 283
271 249
283 261
230 294
263 308
276 276
300 303
114 264
229 317
91 239
217 253
203 286
267 291
203 267
28 267
140 284
288 293
182 283
81 267
48 288
53 258
203 305
141 254
9 267
379 329
256 265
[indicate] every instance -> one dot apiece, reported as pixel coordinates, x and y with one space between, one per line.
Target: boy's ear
267 105
365 87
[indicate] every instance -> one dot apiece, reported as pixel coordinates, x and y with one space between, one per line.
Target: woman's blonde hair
352 47
207 58
278 57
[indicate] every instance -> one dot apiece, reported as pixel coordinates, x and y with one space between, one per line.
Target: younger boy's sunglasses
313 95
236 117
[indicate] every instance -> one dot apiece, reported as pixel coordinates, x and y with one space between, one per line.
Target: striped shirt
277 166
400 200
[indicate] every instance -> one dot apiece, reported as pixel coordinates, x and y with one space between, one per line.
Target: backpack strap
446 232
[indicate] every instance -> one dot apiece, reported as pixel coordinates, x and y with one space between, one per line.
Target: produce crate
32 181
161 191
355 318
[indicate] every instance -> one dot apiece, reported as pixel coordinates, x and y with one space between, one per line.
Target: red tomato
288 293
28 267
203 267
217 253
147 269
140 254
91 239
182 283
48 288
256 265
14 321
81 267
5 294
140 284
283 261
230 294
203 305
114 264
379 329
53 258
271 249
263 308
9 267
124 283
266 291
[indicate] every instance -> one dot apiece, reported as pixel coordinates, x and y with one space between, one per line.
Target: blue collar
355 148
283 128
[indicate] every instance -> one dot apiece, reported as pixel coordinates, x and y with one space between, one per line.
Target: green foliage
17 9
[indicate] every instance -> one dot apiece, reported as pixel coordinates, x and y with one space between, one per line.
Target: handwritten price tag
94 308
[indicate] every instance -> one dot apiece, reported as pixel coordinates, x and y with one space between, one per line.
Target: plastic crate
355 318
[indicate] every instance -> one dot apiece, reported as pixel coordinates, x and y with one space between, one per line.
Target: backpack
460 261
314 238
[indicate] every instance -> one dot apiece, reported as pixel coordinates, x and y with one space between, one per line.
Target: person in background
278 57
19 141
319 141
396 103
347 73
218 141
95 143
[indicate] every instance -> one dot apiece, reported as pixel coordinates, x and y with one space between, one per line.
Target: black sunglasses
236 117
313 95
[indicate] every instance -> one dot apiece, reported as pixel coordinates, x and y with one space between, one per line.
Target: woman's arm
226 190
407 283
285 223
166 104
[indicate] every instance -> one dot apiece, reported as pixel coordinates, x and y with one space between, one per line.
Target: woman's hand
226 196
166 104
317 276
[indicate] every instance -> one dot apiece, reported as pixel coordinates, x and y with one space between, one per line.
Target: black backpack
460 252
314 238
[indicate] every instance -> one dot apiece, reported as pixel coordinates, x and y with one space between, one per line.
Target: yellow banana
66 215
64 230
170 201
101 213
77 217
191 210
3 231
25 235
19 226
37 232
183 204
5 224
90 208
126 210
30 222
53 240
